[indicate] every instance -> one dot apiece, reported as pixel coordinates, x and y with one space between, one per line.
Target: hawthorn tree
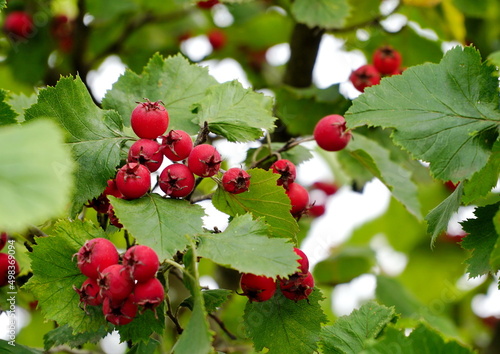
96 193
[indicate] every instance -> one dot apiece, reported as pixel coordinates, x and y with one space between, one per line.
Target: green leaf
439 217
64 335
213 299
483 241
484 180
236 113
444 113
174 81
21 102
351 334
160 223
285 326
17 348
55 273
479 9
35 176
264 199
94 135
141 347
7 114
378 161
246 247
143 326
321 13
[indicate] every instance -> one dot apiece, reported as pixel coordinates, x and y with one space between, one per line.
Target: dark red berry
450 185
257 288
133 180
89 293
386 60
287 170
149 120
113 220
18 25
9 268
101 203
115 282
329 188
299 198
217 39
177 145
3 239
204 160
96 255
146 152
299 289
207 4
177 180
330 133
236 180
119 313
149 294
364 76
142 262
303 261
62 29
316 210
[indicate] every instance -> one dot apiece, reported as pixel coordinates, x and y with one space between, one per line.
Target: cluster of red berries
121 289
386 62
322 190
9 268
297 287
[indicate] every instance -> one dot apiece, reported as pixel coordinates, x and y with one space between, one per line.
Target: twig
202 134
288 145
222 326
172 316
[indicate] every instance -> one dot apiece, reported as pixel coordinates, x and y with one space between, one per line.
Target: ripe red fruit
257 288
299 198
287 170
89 293
317 210
386 60
330 133
142 262
3 239
208 4
217 39
146 152
303 261
177 145
329 188
299 289
149 119
133 180
204 160
236 180
149 294
177 180
18 25
364 77
115 282
119 313
8 268
101 203
62 29
96 255
113 220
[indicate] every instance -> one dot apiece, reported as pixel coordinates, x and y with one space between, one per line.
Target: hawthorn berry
177 145
62 29
287 170
365 76
177 180
133 180
299 198
236 180
119 313
19 25
8 268
146 152
386 60
142 262
115 282
217 39
89 293
101 203
3 239
207 4
149 119
329 188
113 220
257 288
303 261
96 255
204 160
299 289
330 133
317 210
149 294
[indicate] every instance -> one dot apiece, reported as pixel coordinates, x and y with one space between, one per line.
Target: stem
222 326
171 315
288 145
202 135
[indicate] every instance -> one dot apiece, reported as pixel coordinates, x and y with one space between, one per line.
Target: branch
222 326
287 146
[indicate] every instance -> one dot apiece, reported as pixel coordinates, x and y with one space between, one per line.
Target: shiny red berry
386 60
149 294
115 282
177 180
119 313
299 289
330 133
217 39
287 170
133 180
149 120
303 261
9 268
142 262
177 145
257 288
147 152
89 293
299 198
365 76
18 25
96 255
330 188
236 180
204 160
316 210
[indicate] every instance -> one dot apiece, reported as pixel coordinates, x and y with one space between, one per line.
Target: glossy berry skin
119 313
287 170
3 239
96 255
299 289
386 60
142 262
236 180
147 152
149 120
217 39
177 145
330 133
89 293
18 25
204 160
329 188
257 288
133 180
8 267
177 180
299 198
207 4
365 76
149 294
115 282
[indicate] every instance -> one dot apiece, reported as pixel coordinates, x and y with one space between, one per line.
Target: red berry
149 120
3 239
113 220
217 39
146 152
18 25
303 261
119 313
133 180
330 133
177 145
329 188
287 170
9 268
142 262
204 160
62 29
236 180
450 185
299 289
257 288
149 294
317 210
207 4
115 282
177 180
101 203
96 255
386 60
364 77
89 293
299 198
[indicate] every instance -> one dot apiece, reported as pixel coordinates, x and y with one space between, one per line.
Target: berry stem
287 146
202 135
222 326
171 315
